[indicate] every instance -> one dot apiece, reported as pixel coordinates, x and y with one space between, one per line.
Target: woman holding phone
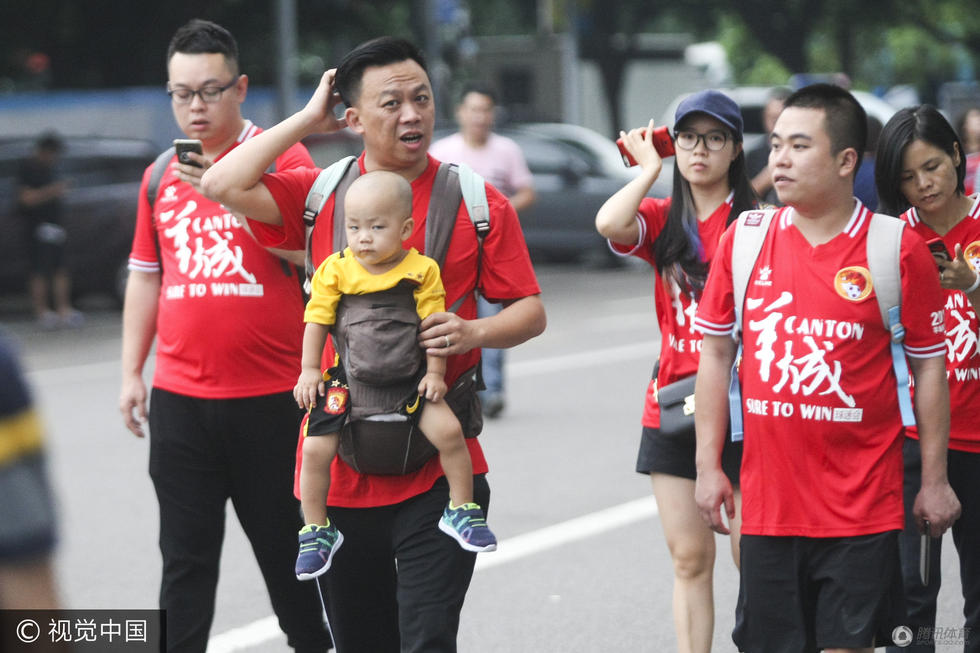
678 237
919 171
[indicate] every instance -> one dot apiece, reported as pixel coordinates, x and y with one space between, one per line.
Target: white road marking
510 550
646 350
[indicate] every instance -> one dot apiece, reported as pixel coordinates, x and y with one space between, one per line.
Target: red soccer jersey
823 435
230 321
962 329
503 272
680 344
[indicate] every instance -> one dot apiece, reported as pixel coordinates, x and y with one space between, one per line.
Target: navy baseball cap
711 103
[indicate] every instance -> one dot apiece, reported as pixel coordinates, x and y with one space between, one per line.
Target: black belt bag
677 408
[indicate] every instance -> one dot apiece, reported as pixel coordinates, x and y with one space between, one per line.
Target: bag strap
326 184
750 233
152 188
455 182
884 250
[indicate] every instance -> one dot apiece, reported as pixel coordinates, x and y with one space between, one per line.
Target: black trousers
398 582
204 452
963 470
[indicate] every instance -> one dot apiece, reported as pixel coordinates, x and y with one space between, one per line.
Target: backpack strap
326 183
152 188
156 174
884 263
750 233
440 221
455 182
474 190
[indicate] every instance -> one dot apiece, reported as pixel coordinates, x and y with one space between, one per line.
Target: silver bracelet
976 284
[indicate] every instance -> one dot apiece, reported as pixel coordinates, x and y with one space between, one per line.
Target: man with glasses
227 317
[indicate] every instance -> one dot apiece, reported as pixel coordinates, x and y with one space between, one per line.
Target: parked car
100 210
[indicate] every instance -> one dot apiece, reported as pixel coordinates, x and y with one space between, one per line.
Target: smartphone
937 247
185 145
662 141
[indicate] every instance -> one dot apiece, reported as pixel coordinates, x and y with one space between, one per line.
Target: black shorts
802 594
675 456
331 411
46 258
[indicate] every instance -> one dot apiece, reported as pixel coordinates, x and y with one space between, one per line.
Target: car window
550 157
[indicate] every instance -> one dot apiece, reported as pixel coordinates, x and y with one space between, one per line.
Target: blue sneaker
317 544
467 525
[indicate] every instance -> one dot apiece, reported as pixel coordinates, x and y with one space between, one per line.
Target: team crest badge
336 402
853 283
972 255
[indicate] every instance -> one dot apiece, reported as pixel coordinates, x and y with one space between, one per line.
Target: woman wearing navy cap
678 237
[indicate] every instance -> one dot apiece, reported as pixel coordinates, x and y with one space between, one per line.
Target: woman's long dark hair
677 251
920 123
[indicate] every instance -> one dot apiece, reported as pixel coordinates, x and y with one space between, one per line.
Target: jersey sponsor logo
754 218
853 283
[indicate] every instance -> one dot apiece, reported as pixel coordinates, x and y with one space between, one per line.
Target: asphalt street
582 565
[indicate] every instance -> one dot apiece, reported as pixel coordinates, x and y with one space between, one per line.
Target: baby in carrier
378 218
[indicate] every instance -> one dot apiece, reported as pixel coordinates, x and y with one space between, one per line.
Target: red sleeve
923 310
297 156
506 271
289 188
144 255
652 215
716 311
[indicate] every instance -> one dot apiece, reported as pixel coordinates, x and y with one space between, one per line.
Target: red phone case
662 141
936 246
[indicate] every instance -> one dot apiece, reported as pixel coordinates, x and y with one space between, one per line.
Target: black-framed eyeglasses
209 94
714 140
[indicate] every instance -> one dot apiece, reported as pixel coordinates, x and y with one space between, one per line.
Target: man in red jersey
227 317
398 583
822 465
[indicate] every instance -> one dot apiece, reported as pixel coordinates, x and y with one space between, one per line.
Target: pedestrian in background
678 236
968 128
499 160
397 584
41 205
227 316
920 177
757 157
821 472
